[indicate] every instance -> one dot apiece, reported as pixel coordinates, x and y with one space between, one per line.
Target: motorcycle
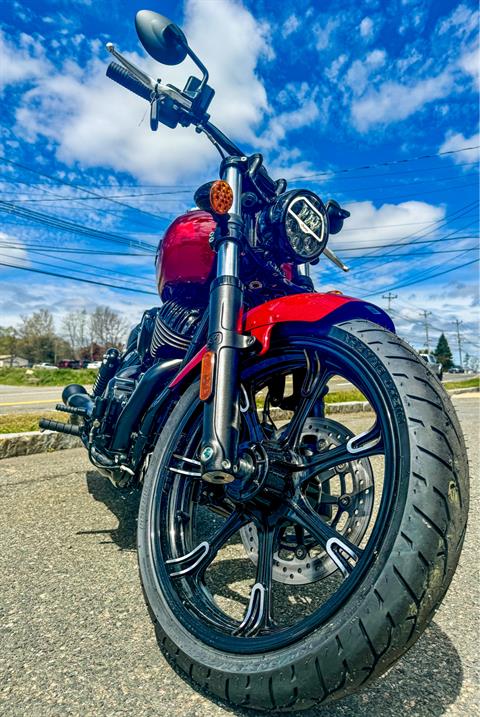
287 557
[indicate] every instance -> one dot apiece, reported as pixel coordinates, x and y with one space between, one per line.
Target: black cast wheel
309 578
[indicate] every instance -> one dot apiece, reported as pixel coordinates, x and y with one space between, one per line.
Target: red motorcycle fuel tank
184 255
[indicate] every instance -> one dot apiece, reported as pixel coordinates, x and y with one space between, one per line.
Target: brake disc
348 509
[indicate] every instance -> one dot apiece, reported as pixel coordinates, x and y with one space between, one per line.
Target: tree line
443 354
82 335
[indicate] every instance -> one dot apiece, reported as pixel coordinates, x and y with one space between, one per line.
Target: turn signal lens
221 197
206 375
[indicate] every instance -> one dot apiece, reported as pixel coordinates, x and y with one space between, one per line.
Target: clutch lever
177 102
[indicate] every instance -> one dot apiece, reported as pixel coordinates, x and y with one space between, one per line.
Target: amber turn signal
221 197
206 375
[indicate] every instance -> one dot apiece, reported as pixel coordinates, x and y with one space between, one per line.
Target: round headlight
295 226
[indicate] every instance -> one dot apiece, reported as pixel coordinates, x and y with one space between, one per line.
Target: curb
30 442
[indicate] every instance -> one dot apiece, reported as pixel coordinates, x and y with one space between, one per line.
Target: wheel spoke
191 463
258 615
314 383
357 447
341 550
248 408
195 562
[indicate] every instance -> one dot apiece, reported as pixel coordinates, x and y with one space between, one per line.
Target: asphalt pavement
21 399
76 639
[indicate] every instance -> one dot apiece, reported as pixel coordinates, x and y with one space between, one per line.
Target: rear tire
395 600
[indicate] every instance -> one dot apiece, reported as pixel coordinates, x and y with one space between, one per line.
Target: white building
7 361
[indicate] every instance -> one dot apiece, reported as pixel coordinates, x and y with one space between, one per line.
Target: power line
76 186
76 278
65 250
385 164
96 272
438 190
175 192
74 227
438 224
415 255
420 280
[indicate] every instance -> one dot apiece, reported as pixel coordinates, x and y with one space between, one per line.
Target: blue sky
317 87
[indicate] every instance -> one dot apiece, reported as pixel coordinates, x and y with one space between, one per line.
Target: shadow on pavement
123 505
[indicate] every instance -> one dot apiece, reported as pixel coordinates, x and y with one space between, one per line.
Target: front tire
408 571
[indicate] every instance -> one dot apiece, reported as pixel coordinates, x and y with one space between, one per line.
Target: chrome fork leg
221 411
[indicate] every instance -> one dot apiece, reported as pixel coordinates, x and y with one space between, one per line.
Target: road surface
21 399
76 639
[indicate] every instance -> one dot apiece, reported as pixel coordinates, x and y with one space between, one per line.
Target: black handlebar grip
119 74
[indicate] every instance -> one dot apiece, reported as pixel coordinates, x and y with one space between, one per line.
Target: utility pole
425 315
389 298
459 341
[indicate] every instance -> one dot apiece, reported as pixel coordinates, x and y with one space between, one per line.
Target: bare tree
74 328
40 323
107 327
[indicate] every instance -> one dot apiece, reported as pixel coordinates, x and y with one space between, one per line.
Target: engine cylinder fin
175 324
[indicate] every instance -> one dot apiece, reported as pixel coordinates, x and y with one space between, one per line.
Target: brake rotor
350 489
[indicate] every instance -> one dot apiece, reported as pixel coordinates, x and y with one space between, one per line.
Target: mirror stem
200 66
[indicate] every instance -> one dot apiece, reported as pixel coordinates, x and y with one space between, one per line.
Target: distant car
48 366
456 369
94 364
435 365
68 363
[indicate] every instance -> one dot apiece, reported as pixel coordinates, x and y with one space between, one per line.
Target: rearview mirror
161 38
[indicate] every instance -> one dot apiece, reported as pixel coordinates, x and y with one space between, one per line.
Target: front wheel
309 579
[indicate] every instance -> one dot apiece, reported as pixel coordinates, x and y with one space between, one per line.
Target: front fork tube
221 417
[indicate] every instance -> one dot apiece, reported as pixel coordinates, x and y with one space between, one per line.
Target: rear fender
324 309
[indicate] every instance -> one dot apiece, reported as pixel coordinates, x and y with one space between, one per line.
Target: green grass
46 377
21 422
341 396
473 382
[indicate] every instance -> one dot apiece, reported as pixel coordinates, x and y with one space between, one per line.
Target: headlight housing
295 227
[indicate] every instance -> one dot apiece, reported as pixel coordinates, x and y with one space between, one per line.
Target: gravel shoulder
76 638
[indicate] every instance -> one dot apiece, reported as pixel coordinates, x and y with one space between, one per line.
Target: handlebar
177 107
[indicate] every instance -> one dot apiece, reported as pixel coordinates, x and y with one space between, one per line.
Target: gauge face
306 226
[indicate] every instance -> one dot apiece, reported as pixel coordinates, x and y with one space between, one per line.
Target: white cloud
324 31
461 22
454 141
366 28
360 71
333 71
393 102
95 122
309 106
469 62
20 62
385 224
290 26
8 253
